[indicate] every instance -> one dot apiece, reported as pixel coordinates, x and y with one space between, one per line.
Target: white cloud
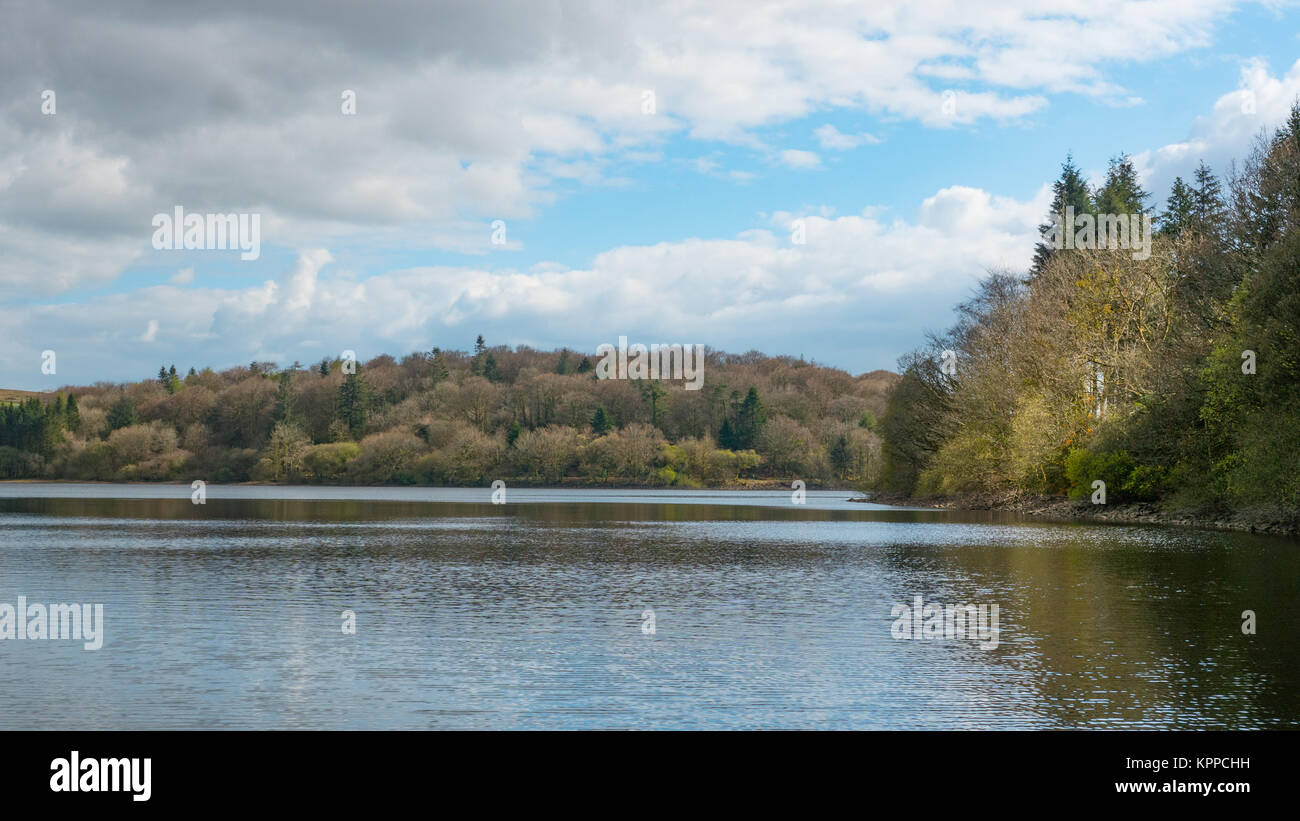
796 158
845 292
472 114
302 282
1259 104
832 139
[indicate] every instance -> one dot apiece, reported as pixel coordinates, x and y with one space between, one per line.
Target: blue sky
669 226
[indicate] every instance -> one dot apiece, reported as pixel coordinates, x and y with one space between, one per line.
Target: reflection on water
529 615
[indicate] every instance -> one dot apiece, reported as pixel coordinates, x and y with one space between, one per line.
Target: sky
816 179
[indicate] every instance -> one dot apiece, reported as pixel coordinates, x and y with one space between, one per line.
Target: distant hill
443 417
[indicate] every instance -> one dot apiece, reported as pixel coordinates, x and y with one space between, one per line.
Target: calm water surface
529 614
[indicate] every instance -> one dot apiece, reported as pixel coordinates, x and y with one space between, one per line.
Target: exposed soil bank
1057 508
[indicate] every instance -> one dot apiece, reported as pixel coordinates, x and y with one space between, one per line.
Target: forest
443 417
1173 379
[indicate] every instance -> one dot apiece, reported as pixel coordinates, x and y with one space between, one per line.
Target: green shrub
18 464
328 462
1126 481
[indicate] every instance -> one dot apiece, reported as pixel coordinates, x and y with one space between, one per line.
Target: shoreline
1033 506
1057 508
746 484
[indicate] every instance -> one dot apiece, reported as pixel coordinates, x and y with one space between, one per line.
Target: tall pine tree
438 370
750 420
1122 192
1178 209
1070 189
352 404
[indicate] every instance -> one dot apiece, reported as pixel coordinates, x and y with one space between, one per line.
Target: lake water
532 614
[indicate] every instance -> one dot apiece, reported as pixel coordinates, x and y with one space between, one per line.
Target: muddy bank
1059 508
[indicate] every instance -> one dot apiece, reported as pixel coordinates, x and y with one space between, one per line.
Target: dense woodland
443 417
1175 378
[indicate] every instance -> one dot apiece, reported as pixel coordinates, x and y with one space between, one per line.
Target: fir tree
480 349
122 414
1178 209
651 393
750 420
727 436
1122 192
351 410
1071 189
71 414
283 411
841 456
1207 213
438 370
601 423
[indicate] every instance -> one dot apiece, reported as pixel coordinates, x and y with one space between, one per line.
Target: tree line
447 417
1174 378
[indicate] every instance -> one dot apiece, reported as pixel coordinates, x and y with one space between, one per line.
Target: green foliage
1070 190
328 462
283 459
1122 192
1177 215
651 393
18 464
284 411
71 414
749 422
32 426
352 404
438 371
1173 378
122 413
601 422
1125 480
491 371
666 476
235 465
912 428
